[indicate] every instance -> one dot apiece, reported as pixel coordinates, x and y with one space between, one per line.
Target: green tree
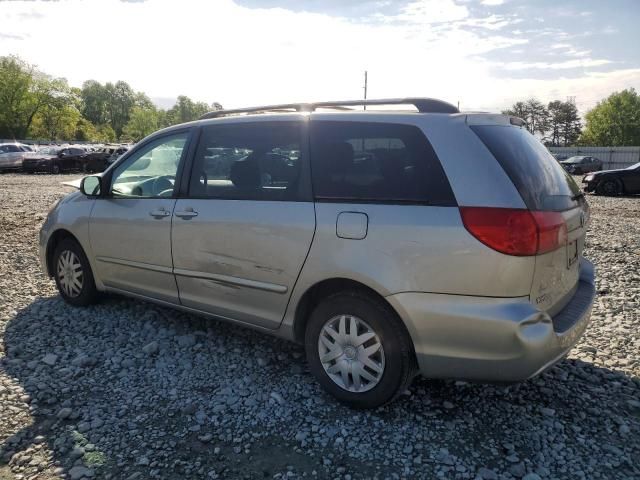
615 121
120 100
55 122
105 134
142 122
185 110
564 124
86 131
93 97
24 91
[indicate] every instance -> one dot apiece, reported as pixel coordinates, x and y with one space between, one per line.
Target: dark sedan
55 160
581 164
99 161
614 182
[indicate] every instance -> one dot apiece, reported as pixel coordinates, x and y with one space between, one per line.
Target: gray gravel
127 390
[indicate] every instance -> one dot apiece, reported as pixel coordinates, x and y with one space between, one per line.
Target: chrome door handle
160 213
186 214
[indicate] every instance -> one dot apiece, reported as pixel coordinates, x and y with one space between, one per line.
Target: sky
485 54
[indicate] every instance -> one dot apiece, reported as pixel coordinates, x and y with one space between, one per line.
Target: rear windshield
540 179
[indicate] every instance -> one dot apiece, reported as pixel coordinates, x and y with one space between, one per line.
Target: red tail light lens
515 231
552 231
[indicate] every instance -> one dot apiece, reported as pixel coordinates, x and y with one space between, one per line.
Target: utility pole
365 87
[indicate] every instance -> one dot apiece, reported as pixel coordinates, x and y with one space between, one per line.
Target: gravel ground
127 390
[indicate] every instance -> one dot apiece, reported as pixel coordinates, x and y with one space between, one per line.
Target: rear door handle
188 213
160 213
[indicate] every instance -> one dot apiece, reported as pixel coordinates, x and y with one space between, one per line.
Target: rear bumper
492 339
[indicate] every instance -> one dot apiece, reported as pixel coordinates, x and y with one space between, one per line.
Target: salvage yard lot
127 389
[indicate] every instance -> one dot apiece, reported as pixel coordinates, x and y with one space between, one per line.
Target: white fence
612 157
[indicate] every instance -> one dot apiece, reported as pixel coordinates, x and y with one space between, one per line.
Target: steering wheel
162 186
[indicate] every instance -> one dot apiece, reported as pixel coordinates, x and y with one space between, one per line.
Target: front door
242 234
130 229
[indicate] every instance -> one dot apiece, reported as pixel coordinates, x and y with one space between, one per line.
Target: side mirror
91 186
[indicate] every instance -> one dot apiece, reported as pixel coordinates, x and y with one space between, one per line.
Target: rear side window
376 162
540 179
248 161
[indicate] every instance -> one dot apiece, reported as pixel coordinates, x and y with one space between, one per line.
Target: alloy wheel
70 273
351 353
610 188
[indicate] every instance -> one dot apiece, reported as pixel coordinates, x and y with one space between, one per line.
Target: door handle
188 213
160 213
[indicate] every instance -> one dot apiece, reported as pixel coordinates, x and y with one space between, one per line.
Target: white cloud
492 3
588 89
566 64
219 51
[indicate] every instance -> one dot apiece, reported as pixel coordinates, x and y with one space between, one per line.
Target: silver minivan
389 243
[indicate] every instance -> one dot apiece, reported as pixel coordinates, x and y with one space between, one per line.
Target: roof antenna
365 89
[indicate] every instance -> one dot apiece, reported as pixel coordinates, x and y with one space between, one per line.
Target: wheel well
323 289
611 179
55 239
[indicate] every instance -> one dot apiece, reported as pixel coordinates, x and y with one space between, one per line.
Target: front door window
151 171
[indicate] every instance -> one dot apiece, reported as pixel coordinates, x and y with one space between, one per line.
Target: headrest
245 173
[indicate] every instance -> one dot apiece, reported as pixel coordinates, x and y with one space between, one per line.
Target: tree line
614 121
34 105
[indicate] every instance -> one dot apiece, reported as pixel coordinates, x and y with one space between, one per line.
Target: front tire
73 275
610 187
55 169
358 349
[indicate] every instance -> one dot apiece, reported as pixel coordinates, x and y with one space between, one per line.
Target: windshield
540 179
573 160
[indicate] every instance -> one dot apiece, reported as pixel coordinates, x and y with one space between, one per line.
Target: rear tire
609 187
366 368
73 275
55 169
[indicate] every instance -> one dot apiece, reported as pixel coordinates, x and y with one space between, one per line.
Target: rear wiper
577 196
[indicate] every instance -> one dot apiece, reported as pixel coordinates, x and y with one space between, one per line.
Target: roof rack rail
423 105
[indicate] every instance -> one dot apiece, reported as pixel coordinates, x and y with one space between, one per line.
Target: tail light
514 231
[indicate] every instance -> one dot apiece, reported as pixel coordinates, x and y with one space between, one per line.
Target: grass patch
94 459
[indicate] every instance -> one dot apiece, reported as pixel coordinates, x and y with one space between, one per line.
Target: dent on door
240 259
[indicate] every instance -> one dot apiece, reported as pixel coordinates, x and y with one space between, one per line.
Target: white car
11 155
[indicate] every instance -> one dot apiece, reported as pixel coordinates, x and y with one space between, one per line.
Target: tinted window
541 181
257 161
355 161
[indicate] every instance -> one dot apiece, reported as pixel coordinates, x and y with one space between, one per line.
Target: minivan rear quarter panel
412 248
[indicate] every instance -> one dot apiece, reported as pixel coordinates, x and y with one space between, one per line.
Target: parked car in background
614 182
55 160
11 156
101 158
581 164
388 243
117 153
559 156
